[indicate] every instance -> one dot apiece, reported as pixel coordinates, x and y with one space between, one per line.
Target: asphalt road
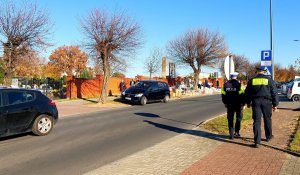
85 142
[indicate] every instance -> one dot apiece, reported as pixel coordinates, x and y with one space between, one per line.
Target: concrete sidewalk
200 152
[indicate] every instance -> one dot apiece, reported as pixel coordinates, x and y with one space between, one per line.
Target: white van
294 91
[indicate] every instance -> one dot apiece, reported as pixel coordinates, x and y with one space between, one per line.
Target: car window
17 97
29 96
144 85
299 84
162 85
155 86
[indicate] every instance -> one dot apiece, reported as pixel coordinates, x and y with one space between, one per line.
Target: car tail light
291 90
51 103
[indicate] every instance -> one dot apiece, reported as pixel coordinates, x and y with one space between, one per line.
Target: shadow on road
157 116
218 137
289 109
17 136
145 114
89 100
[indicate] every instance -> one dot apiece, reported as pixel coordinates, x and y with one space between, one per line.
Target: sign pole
271 38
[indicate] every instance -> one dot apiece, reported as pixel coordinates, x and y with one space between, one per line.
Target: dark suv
24 110
147 91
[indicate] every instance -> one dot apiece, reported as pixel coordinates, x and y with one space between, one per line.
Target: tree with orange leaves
28 65
69 59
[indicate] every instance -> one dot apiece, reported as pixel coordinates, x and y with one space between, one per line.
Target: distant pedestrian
122 86
261 93
217 84
206 84
233 99
132 82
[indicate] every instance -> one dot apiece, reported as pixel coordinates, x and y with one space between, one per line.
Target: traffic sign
266 55
266 61
228 66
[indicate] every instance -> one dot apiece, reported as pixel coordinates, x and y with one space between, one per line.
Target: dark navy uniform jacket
233 93
263 87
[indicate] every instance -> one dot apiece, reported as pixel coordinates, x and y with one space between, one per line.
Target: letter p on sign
266 55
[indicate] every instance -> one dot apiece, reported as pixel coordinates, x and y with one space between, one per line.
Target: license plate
127 98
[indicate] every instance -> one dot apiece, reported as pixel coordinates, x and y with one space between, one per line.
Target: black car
147 91
24 110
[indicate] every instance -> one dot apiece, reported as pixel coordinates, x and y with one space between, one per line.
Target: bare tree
22 29
153 63
196 49
116 65
107 37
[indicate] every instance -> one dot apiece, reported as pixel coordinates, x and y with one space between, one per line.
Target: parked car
147 91
286 86
25 110
294 91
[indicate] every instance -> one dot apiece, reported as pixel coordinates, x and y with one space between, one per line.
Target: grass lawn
295 144
220 124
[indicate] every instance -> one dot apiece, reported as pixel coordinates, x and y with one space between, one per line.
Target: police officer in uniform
261 93
233 99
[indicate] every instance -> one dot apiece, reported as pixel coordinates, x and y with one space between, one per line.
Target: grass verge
295 144
220 124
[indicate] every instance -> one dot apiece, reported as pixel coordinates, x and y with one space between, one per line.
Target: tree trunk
196 79
7 79
8 72
106 75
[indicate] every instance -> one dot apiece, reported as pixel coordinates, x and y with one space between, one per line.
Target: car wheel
143 100
296 98
166 99
42 125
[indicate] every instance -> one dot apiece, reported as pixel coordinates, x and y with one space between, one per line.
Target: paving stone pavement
169 157
200 152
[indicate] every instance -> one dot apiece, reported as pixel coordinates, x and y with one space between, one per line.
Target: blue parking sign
266 61
266 55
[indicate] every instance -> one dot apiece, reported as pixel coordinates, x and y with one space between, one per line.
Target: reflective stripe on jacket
232 93
261 86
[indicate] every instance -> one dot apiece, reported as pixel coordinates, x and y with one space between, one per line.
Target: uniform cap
233 74
260 69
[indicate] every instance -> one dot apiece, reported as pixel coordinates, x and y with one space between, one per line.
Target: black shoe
231 137
237 134
268 139
255 145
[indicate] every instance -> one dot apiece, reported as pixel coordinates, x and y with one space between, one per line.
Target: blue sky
244 24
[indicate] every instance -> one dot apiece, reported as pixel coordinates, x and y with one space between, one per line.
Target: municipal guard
261 93
233 99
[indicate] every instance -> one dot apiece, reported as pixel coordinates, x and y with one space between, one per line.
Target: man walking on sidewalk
233 99
261 93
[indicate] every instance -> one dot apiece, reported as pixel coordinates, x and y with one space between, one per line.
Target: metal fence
55 88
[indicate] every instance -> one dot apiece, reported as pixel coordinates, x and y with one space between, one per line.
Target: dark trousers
261 107
231 110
